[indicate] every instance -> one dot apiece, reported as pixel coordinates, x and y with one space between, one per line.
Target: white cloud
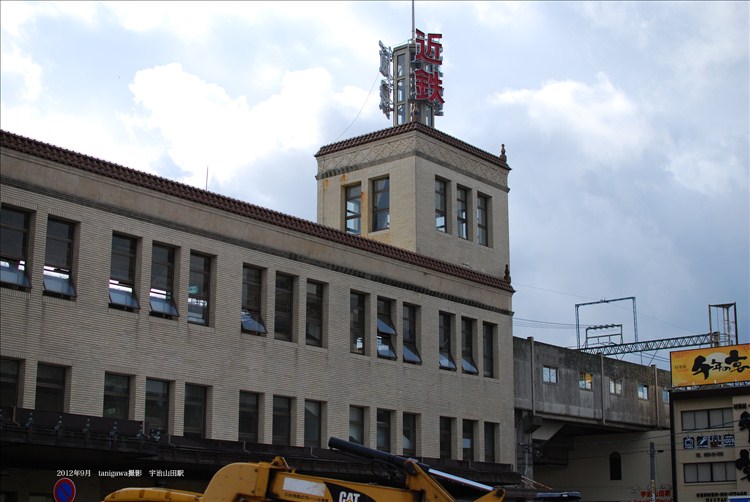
14 16
605 124
205 127
713 176
15 62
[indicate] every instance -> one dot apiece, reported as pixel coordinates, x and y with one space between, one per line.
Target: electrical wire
360 110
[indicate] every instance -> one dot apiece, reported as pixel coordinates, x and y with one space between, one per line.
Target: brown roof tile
408 127
103 168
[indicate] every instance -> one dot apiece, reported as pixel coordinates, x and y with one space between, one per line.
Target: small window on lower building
446 437
357 425
116 396
615 466
549 374
469 427
282 420
196 405
249 417
643 391
157 407
615 386
313 423
585 380
9 371
50 388
384 430
409 431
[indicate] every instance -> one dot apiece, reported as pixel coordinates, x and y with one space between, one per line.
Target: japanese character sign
714 365
427 82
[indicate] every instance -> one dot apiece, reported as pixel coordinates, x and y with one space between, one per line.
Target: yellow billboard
710 365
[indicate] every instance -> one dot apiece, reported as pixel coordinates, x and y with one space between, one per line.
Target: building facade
130 297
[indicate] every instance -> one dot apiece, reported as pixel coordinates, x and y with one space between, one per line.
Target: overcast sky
625 124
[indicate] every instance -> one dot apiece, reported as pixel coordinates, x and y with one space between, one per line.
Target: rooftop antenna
206 178
413 23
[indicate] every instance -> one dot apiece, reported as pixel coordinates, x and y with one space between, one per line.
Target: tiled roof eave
186 192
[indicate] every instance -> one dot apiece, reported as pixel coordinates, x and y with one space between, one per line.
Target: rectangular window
710 472
284 307
157 406
122 273
445 335
50 388
716 418
353 201
411 352
58 259
196 404
249 417
384 418
357 322
386 330
14 244
116 396
615 386
490 433
161 295
313 423
199 289
446 437
252 294
643 391
468 439
441 205
549 374
665 396
381 218
282 420
9 374
357 424
585 380
483 234
409 430
314 314
488 349
462 212
468 363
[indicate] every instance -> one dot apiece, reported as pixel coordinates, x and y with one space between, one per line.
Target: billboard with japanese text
710 365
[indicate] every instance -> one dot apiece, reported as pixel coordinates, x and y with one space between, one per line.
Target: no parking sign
64 490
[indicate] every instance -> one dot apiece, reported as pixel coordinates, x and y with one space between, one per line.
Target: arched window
615 466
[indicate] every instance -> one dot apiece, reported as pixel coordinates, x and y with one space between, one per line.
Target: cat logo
340 493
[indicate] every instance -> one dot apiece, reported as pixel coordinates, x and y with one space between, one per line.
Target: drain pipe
603 393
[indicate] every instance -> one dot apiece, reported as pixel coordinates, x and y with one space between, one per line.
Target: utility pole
652 457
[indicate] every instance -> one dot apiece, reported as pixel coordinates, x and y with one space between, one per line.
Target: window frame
468 436
9 381
251 317
357 322
162 299
59 258
14 255
643 392
490 441
284 307
386 332
357 421
313 423
122 287
445 335
381 204
384 419
410 333
158 397
282 419
586 380
116 396
314 313
483 220
248 423
195 411
441 205
200 301
550 374
353 209
462 213
446 437
468 359
51 389
489 338
615 386
409 433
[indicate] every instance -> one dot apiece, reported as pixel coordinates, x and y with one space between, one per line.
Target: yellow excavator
276 481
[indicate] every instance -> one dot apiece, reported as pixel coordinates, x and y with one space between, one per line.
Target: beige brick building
125 295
